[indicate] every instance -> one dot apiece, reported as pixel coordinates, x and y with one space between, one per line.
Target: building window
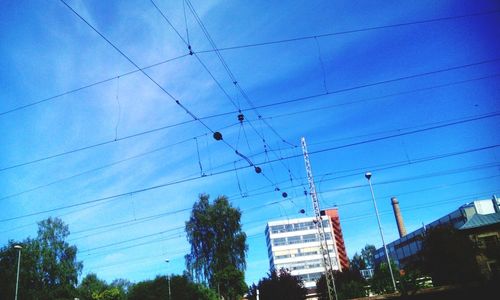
279 241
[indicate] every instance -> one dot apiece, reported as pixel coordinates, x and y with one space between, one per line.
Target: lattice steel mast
325 254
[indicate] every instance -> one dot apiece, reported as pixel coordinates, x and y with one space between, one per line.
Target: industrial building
480 220
293 245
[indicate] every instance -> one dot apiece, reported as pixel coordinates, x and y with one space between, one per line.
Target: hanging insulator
276 189
284 195
217 136
305 192
258 170
241 118
302 211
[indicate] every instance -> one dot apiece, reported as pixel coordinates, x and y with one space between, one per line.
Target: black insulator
315 221
258 170
276 189
241 117
284 195
217 136
305 192
302 211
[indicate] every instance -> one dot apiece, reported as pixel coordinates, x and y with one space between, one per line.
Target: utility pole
368 176
168 280
323 245
18 247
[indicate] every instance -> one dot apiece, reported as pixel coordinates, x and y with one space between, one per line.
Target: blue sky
47 50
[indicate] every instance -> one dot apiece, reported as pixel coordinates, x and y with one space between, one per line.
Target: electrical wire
344 220
272 105
248 46
232 170
309 37
177 101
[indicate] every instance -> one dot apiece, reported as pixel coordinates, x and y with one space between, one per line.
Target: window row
308 238
296 227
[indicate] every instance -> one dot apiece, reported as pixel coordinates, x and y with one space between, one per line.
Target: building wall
333 214
406 249
487 240
294 245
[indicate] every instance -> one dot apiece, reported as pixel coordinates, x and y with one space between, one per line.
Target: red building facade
333 215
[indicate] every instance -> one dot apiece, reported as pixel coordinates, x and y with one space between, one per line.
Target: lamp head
167 260
18 247
368 175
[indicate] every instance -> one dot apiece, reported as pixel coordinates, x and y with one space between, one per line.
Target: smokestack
398 216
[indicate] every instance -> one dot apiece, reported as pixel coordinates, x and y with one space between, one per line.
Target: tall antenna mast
323 245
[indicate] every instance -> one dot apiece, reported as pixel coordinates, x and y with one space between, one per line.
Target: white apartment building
294 245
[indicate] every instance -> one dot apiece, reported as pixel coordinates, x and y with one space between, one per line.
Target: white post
18 267
368 175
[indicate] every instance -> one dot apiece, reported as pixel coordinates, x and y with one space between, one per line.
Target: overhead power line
310 37
380 167
277 104
86 86
177 101
232 170
190 139
250 194
231 77
343 220
244 46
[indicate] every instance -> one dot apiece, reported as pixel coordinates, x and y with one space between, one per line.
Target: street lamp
368 175
18 247
168 280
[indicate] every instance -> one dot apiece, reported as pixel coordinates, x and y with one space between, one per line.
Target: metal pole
168 281
368 176
169 292
18 267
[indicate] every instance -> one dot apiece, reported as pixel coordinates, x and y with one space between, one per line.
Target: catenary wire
186 140
271 105
232 170
177 101
168 213
309 37
247 46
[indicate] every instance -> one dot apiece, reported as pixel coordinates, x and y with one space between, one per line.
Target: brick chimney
398 216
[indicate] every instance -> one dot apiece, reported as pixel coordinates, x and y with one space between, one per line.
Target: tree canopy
364 261
49 269
381 282
181 289
279 286
218 246
449 256
349 284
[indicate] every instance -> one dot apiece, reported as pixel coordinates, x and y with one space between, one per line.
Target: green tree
181 289
449 256
348 283
365 260
279 286
218 246
49 269
410 279
91 285
112 293
357 262
381 282
368 255
150 289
